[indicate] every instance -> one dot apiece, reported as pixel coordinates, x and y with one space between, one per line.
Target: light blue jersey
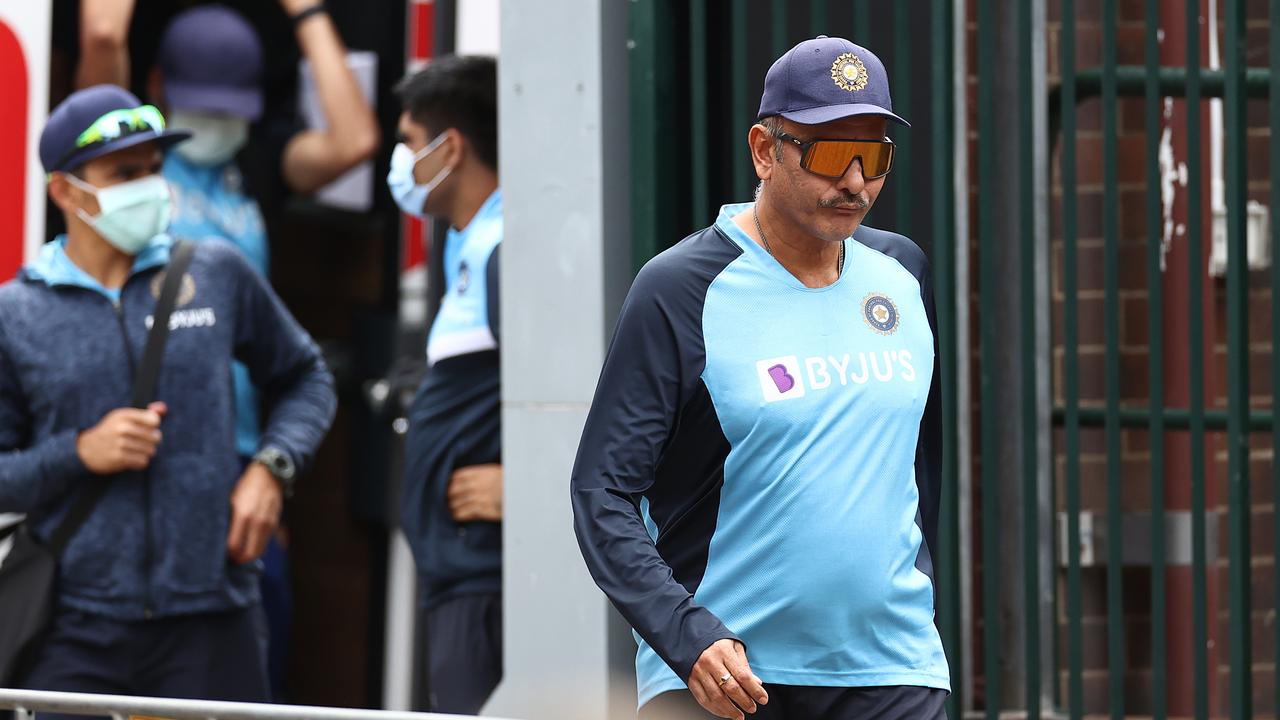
468 318
209 202
782 442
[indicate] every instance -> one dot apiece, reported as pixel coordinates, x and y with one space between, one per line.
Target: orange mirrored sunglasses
833 158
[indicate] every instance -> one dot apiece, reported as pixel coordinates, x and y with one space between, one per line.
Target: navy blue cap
211 59
827 79
80 110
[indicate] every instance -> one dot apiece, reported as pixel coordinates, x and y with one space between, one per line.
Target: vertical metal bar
1195 293
903 82
1155 355
1030 438
1070 362
644 131
1239 633
698 103
944 267
990 337
740 111
778 32
817 17
1111 333
1274 144
862 21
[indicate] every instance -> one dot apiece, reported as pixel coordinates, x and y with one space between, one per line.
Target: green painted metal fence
697 67
1153 82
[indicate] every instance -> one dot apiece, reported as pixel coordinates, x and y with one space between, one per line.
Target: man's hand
475 493
124 439
730 698
255 513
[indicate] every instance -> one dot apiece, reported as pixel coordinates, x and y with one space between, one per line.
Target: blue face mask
130 214
409 195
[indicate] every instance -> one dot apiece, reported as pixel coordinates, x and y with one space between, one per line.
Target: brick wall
1132 308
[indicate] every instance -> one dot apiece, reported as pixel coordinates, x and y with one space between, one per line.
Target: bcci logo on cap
780 378
849 73
880 313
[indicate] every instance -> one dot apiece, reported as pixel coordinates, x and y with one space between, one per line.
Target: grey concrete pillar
563 141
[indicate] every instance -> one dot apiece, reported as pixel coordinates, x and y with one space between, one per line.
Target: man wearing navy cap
208 80
157 591
757 485
208 77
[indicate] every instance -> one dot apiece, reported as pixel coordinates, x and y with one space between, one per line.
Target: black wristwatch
280 465
316 9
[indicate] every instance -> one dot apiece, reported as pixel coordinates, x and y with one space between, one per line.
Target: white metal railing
121 707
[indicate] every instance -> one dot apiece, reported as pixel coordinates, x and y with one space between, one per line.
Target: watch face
277 462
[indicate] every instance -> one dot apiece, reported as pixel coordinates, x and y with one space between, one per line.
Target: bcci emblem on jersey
464 278
880 313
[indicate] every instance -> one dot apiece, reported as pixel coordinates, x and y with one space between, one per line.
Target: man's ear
456 148
763 154
68 197
60 191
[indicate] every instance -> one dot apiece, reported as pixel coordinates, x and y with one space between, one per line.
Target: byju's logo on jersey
786 378
780 378
880 313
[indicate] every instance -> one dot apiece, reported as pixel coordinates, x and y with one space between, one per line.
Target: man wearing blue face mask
446 166
208 79
157 590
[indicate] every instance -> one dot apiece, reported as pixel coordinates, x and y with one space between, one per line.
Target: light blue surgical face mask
215 137
131 213
404 187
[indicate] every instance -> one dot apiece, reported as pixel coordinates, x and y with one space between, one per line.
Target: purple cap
58 149
827 79
211 58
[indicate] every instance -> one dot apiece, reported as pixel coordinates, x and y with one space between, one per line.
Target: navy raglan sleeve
284 362
929 445
641 390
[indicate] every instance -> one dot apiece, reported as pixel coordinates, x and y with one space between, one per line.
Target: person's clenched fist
124 439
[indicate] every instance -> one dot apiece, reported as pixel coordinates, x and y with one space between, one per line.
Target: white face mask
131 213
215 137
409 195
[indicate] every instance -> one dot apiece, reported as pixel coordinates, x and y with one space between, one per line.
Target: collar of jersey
54 268
489 209
762 257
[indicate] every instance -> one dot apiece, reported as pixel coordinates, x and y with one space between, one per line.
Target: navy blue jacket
155 545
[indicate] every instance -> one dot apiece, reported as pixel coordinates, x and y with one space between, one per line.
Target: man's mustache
847 202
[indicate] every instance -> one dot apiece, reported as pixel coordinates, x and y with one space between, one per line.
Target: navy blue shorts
217 656
789 702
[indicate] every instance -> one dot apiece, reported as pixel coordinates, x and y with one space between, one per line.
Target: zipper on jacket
147 556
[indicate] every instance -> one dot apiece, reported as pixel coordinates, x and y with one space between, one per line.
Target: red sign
14 87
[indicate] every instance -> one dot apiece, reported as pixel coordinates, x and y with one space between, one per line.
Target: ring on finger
725 678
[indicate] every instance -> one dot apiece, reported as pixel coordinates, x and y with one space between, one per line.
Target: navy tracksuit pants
790 702
217 656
